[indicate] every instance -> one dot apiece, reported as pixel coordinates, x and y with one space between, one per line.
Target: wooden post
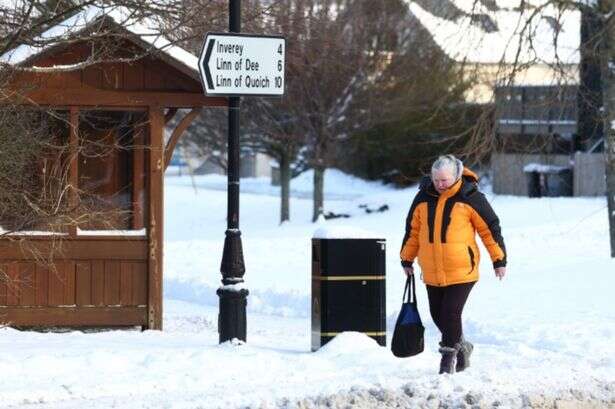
74 165
137 177
156 222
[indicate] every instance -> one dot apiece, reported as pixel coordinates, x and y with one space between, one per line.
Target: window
111 170
92 181
33 170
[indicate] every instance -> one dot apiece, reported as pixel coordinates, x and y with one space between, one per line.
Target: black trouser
446 305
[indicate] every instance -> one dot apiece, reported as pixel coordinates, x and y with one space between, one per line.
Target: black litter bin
348 289
548 180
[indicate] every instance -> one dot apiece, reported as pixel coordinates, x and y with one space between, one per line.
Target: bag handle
410 281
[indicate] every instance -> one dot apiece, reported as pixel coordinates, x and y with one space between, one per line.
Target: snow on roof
144 29
526 36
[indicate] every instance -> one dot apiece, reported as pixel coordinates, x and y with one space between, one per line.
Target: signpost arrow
234 64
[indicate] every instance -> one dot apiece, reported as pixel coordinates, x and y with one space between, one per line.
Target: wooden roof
140 67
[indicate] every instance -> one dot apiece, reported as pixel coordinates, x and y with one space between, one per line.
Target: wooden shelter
101 277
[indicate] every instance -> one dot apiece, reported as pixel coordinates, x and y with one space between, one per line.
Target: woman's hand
409 271
500 272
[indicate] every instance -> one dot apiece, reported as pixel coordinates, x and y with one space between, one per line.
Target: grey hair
448 162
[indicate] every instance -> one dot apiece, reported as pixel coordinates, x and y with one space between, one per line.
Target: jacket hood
469 183
469 176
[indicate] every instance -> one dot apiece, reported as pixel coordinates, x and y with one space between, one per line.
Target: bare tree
273 131
336 54
273 125
350 65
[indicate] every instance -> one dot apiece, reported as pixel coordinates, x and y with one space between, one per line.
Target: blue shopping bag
408 336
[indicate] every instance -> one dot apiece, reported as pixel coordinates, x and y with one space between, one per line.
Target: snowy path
544 334
184 367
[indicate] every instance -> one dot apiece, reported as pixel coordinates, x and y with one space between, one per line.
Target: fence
509 178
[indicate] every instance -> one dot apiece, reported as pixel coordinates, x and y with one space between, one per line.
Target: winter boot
449 358
463 356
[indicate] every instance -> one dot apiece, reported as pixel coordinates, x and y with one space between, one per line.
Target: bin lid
344 232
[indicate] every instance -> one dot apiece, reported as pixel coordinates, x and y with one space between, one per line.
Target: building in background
492 43
253 165
526 61
536 119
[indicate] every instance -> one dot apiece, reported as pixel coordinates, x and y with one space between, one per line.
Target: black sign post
234 64
232 321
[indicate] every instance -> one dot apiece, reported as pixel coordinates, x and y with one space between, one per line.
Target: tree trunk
610 185
589 95
608 76
319 184
285 187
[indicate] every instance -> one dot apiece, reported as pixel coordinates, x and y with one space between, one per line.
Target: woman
443 220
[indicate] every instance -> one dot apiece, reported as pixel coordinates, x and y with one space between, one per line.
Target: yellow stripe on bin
369 334
348 278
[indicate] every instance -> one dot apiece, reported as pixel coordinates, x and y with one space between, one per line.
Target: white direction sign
242 64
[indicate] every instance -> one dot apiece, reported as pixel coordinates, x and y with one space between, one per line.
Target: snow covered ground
543 337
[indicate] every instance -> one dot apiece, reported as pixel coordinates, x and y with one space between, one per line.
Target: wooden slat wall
42 285
77 249
133 290
91 77
113 76
12 283
133 76
27 281
83 283
112 283
98 282
74 316
59 283
154 79
3 286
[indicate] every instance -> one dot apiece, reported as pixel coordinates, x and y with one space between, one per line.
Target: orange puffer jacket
441 230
